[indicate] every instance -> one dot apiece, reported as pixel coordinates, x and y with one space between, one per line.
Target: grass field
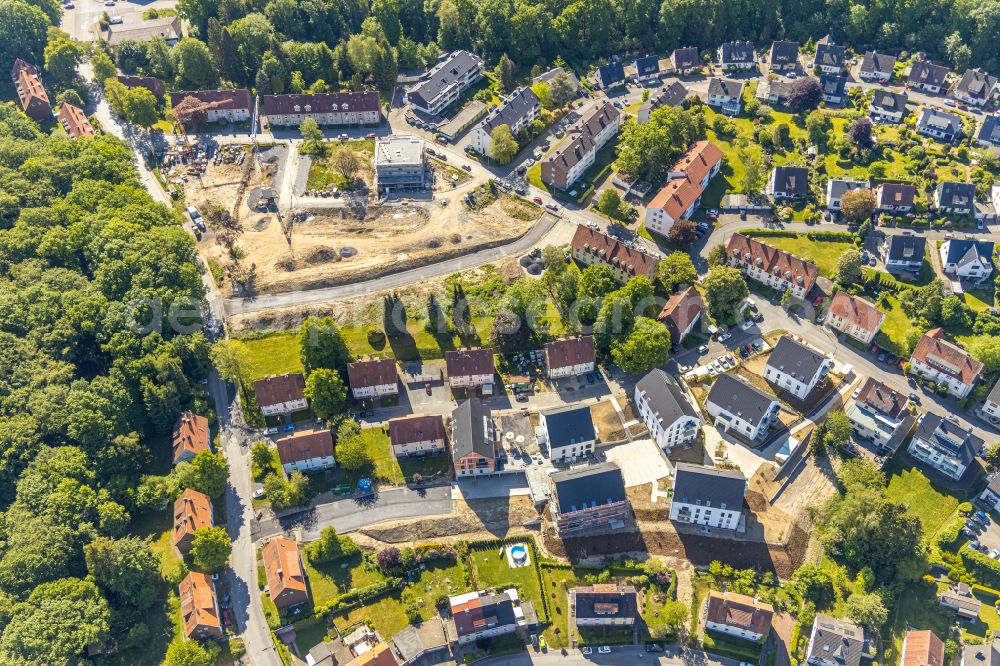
330 579
491 569
822 253
917 606
895 326
386 615
397 472
934 508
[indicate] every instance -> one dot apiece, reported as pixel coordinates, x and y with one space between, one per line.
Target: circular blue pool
519 553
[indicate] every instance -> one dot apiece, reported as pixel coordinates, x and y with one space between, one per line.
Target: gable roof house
726 95
942 444
738 406
833 88
976 87
737 56
770 266
473 439
192 512
672 93
591 246
478 615
773 92
306 451
836 188
190 436
939 124
686 60
570 357
610 76
647 68
686 183
281 394
708 496
136 28
796 368
830 57
445 82
989 132
604 605
354 108
470 367
738 615
788 182
199 606
286 576
955 198
880 415
74 121
904 254
417 435
959 599
588 497
991 407
681 313
855 316
937 359
571 159
783 56
516 111
373 378
838 642
666 410
150 83
967 259
226 105
922 648
887 106
379 655
926 76
30 91
877 66
981 655
569 431
895 197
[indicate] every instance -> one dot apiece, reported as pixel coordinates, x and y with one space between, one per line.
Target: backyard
934 508
823 253
896 324
396 472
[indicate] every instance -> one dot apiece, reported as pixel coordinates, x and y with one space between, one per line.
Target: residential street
619 656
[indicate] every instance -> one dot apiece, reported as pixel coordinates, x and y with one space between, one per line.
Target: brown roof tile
280 389
467 362
75 122
380 655
679 193
880 397
371 373
739 610
222 100
192 512
570 351
411 429
150 83
934 350
922 648
681 309
773 260
305 445
320 103
614 253
198 603
190 434
283 566
856 310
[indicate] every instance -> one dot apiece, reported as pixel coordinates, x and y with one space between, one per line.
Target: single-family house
417 435
788 182
470 367
836 188
647 68
958 598
381 654
838 642
922 648
830 57
955 198
877 67
74 121
989 132
686 60
796 368
738 615
610 76
134 27
307 450
855 316
967 259
30 91
588 497
887 106
192 512
986 654
686 183
593 247
286 576
373 378
739 407
773 93
904 254
833 88
881 415
672 93
976 87
569 431
480 614
770 266
938 360
350 108
570 357
939 124
991 406
516 111
200 607
708 496
726 95
604 605
231 106
681 314
895 197
928 77
281 394
444 84
944 445
473 439
784 56
190 436
737 56
551 75
571 159
991 494
668 412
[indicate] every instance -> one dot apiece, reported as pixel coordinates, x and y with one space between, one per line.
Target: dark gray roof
948 437
896 194
830 55
452 68
836 640
665 398
611 74
740 398
976 84
990 130
962 251
939 120
794 358
584 487
889 100
836 187
725 87
647 66
686 57
513 109
956 195
569 425
671 94
737 52
877 62
791 179
472 429
716 487
982 655
784 53
906 248
927 73
833 85
618 601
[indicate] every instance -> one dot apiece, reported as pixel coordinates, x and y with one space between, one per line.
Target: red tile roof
190 434
280 389
30 91
739 610
922 648
935 351
773 261
614 253
569 352
305 445
679 193
380 655
192 512
75 122
412 429
283 566
468 362
856 310
680 310
198 605
371 373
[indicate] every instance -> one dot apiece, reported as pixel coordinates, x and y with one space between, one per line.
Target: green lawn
557 583
492 570
388 470
979 299
330 579
917 606
274 354
895 326
934 508
822 253
386 615
440 577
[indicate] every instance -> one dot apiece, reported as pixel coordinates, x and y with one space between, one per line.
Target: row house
332 109
770 266
686 183
230 106
663 406
938 360
590 497
708 496
796 368
591 247
418 435
373 378
881 415
470 367
192 512
444 84
307 451
854 316
287 584
740 407
571 159
281 394
570 357
516 111
473 439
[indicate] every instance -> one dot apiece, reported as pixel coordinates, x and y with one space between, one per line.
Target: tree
986 350
860 132
614 321
127 569
227 358
183 652
610 203
346 162
23 28
561 89
330 547
103 68
673 616
725 290
211 473
804 94
597 281
754 173
647 346
326 392
140 107
955 314
857 205
312 135
780 134
815 585
505 72
838 428
388 558
676 269
210 548
503 145
992 457
868 610
683 232
717 256
352 454
62 56
321 345
648 150
818 126
849 267
260 456
193 64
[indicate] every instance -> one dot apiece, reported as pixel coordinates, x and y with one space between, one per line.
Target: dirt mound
286 265
322 255
263 223
475 519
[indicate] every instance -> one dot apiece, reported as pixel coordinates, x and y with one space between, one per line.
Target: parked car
747 325
466 167
258 493
725 336
586 650
370 135
914 397
604 649
703 349
551 206
856 393
538 200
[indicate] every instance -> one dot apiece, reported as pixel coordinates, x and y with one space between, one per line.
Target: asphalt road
619 656
348 515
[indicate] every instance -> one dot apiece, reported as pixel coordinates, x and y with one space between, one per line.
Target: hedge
358 596
949 536
882 280
767 233
982 566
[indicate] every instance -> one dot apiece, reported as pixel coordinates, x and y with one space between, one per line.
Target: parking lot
989 538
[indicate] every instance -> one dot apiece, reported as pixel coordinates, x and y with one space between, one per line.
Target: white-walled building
854 316
686 183
796 368
569 432
708 496
306 451
837 642
570 357
666 410
770 266
571 159
937 359
444 84
967 259
470 367
739 407
944 445
418 435
281 394
373 378
738 615
516 111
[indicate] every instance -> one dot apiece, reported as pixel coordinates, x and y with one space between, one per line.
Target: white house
739 407
977 87
928 77
943 445
418 435
991 406
836 188
444 84
937 359
991 493
880 415
517 111
877 67
737 56
830 57
854 316
569 431
281 394
795 368
955 198
895 197
686 182
478 615
838 642
887 106
306 451
373 378
904 254
470 368
342 108
967 259
939 124
738 615
708 496
770 266
648 68
788 182
666 410
570 357
726 95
